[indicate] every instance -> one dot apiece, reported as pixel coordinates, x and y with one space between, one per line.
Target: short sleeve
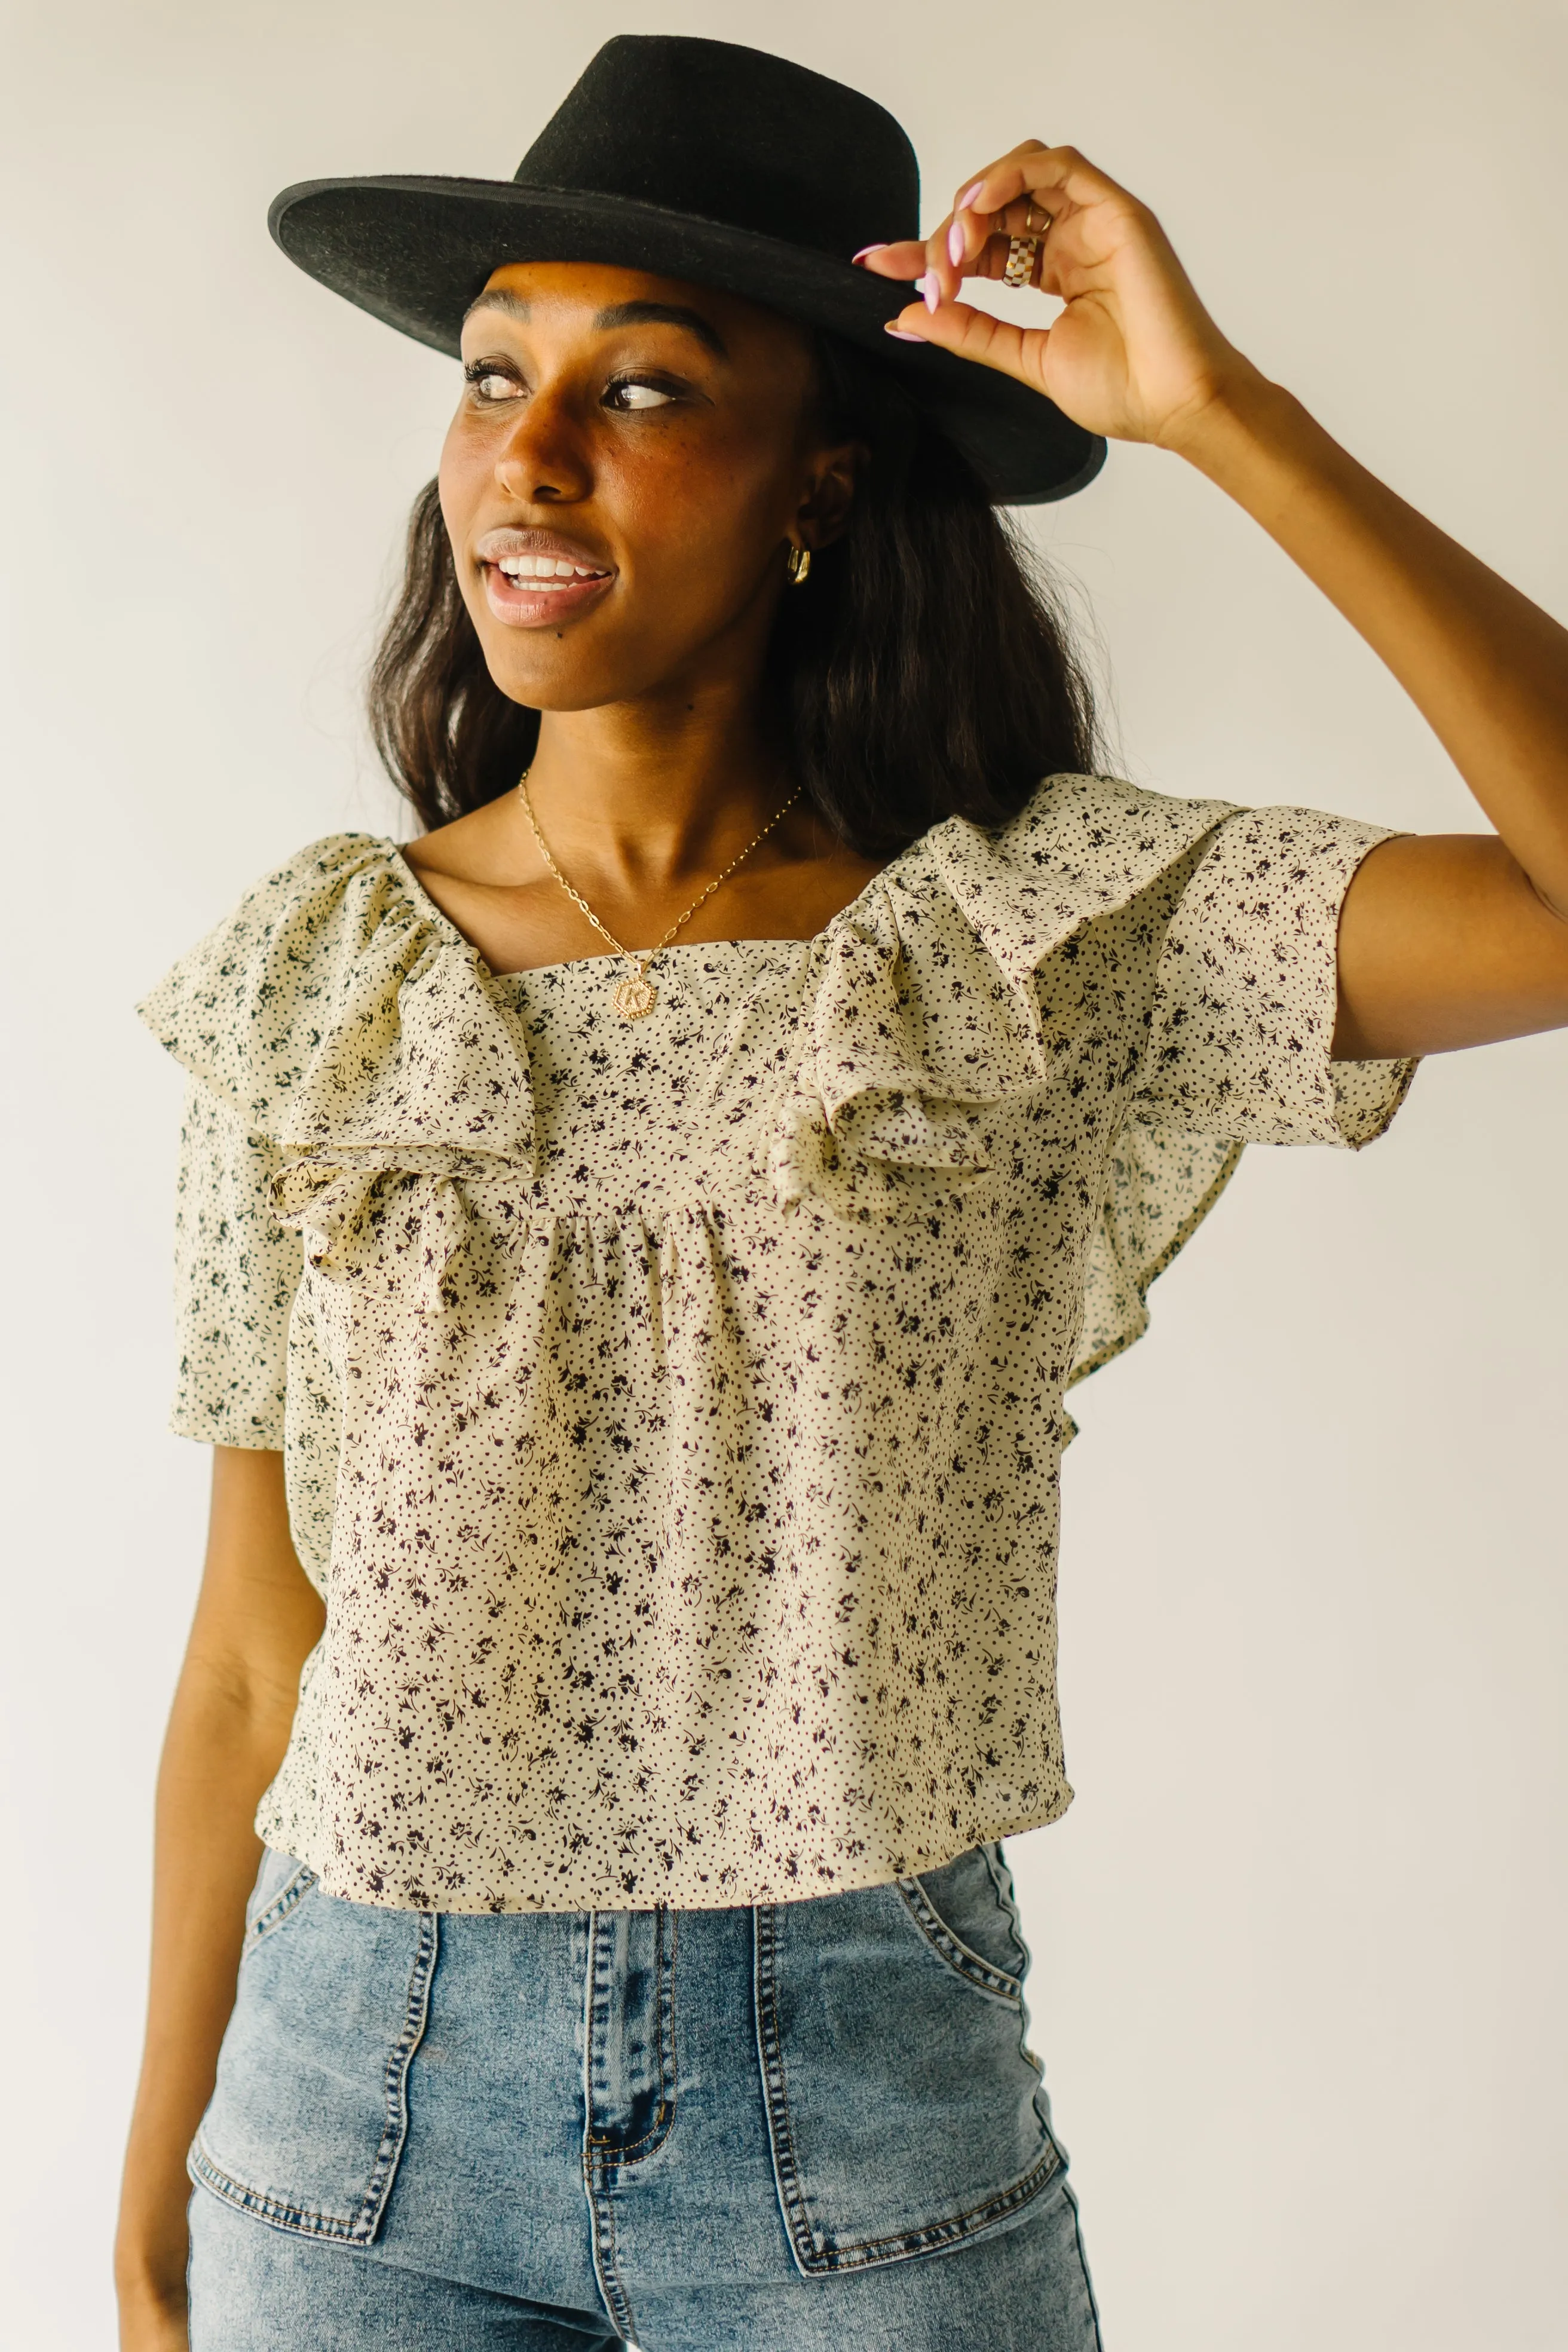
235 1273
1246 993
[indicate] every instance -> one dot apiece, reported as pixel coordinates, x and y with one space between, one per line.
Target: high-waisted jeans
801 2125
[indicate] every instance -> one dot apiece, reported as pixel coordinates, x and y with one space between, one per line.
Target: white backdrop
1300 1945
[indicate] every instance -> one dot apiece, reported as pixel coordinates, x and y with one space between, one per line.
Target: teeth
545 567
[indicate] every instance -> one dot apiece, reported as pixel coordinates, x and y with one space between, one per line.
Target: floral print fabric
672 1410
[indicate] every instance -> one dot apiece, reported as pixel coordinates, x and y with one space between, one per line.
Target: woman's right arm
257 1619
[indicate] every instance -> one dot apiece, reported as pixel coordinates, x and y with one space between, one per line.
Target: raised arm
257 1619
1445 940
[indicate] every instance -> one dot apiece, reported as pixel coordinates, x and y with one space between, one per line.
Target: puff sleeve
1245 992
235 1273
244 1014
309 1023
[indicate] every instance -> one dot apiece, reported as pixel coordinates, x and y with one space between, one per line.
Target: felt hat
699 159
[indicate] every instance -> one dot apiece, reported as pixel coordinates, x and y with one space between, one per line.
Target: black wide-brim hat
702 160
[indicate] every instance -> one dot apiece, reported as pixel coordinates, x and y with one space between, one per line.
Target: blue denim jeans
809 2125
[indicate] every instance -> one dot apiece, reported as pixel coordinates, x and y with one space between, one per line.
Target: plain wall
1300 1944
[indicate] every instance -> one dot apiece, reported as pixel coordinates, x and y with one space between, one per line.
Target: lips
535 577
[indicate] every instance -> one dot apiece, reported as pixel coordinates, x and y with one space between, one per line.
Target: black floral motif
672 1410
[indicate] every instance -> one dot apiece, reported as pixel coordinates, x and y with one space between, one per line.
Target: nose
544 460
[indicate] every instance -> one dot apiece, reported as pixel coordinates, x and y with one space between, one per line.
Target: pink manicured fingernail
864 249
902 333
930 290
967 198
955 245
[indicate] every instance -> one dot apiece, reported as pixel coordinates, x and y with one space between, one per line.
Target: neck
655 789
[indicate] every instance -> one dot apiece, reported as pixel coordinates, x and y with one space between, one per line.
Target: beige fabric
672 1411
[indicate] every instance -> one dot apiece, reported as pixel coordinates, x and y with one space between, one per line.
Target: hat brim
414 252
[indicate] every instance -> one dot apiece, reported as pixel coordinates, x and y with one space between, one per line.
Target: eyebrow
619 314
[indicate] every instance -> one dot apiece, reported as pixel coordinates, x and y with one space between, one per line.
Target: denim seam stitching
601 2206
315 2221
308 2220
608 2289
922 2239
1083 2265
284 1904
1007 1895
671 2081
959 1957
609 2150
416 2011
635 2151
813 2253
612 2286
770 2055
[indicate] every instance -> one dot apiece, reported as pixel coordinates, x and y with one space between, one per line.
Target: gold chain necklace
635 996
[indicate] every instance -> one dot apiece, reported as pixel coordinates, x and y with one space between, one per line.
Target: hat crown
733 135
710 164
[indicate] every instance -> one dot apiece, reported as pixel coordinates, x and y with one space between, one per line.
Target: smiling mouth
547 572
530 591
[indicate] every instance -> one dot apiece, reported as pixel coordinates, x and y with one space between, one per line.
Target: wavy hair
926 669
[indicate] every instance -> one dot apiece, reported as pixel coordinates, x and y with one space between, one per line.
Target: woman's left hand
1443 941
1133 354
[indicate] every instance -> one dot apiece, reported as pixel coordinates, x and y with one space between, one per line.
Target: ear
824 512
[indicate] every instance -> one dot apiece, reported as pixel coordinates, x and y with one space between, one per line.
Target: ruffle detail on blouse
1162 1186
344 1023
335 1204
339 1017
869 1128
1084 846
872 1127
677 1549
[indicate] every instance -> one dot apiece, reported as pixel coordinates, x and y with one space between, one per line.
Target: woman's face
628 461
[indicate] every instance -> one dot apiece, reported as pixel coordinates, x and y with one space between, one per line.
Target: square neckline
422 899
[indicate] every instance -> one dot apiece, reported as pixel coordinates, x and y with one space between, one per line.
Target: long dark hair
924 670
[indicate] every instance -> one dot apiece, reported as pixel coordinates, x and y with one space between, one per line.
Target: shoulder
313 889
1101 829
320 934
1080 847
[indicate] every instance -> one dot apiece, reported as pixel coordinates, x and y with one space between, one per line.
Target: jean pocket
968 1914
310 2111
280 1884
905 2108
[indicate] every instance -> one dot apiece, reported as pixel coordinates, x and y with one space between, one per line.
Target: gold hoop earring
798 565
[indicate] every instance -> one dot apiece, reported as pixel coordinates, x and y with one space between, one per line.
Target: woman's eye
628 394
492 383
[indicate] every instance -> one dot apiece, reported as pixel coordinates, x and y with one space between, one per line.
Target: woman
634 1240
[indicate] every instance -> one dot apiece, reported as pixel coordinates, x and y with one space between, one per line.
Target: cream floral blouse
672 1410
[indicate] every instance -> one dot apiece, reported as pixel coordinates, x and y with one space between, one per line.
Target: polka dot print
672 1410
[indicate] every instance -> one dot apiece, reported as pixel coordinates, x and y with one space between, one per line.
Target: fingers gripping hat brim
805 169
416 252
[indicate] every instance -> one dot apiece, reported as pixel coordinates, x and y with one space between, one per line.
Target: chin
569 672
